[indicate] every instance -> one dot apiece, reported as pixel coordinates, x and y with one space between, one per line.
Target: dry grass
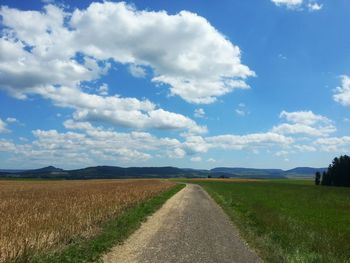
38 215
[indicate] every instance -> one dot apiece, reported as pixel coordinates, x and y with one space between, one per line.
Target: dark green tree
338 173
317 178
326 179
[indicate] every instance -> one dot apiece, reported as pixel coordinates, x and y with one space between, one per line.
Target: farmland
37 216
288 220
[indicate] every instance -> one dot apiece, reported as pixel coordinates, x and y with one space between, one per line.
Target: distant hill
298 172
304 171
110 172
48 169
131 172
105 172
11 171
250 172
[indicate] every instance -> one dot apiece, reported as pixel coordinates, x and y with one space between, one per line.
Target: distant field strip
40 215
288 220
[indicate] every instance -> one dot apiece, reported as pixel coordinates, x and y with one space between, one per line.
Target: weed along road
190 227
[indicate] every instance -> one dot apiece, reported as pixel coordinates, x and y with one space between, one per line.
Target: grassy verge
113 232
289 221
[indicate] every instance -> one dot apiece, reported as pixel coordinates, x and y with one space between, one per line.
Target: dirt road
190 227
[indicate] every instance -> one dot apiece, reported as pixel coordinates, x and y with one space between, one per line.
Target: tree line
338 173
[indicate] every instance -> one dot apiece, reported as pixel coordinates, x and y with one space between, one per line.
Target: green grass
289 220
112 233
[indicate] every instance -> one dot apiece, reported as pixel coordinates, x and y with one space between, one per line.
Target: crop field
288 220
39 215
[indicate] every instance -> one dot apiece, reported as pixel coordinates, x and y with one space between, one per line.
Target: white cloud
3 126
196 144
305 148
11 120
240 112
126 112
103 89
314 6
58 51
176 153
281 153
91 146
304 122
297 128
304 117
137 71
311 5
288 3
199 113
255 140
6 146
342 95
175 52
334 144
186 52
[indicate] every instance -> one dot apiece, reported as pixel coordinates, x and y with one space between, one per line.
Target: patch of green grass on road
288 220
112 233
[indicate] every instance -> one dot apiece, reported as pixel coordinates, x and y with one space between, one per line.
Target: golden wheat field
38 215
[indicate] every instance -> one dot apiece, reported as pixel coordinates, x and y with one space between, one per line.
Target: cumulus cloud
58 51
6 146
305 148
304 117
186 53
240 112
3 126
342 93
176 153
90 145
288 3
297 128
126 112
304 122
11 120
334 144
314 6
103 89
255 140
199 113
137 71
310 5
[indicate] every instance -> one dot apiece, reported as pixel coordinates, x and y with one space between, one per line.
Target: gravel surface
189 227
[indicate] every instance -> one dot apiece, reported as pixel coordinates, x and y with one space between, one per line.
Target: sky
197 84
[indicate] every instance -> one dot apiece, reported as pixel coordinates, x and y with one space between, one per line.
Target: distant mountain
110 172
250 172
304 171
131 172
298 172
48 169
11 171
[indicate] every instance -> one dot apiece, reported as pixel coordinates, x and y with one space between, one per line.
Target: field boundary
113 232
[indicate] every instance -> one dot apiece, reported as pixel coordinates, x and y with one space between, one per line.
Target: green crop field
288 220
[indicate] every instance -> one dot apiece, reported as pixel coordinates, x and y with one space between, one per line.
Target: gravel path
189 227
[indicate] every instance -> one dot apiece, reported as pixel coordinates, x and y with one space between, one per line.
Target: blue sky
184 83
